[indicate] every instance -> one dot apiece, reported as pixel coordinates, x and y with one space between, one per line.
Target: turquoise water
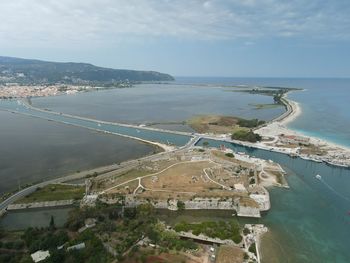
325 103
309 222
326 110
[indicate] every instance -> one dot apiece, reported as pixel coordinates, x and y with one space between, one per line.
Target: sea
310 222
325 103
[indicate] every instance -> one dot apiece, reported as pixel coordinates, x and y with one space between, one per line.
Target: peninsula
189 174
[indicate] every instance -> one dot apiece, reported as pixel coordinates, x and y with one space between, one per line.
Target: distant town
13 91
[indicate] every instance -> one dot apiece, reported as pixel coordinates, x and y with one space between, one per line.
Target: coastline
337 154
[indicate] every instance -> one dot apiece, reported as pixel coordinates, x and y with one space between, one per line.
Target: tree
180 205
231 155
52 223
252 248
2 232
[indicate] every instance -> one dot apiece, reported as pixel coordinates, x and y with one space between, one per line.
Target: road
102 172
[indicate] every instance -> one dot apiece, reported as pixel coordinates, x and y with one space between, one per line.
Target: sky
232 38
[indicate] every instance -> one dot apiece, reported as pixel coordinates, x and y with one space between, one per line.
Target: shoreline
337 154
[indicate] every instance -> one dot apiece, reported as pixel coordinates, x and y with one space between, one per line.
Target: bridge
160 137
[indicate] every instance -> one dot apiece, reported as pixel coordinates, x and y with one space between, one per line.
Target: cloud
66 22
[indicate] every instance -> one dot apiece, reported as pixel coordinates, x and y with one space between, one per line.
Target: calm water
34 218
33 150
145 134
310 221
148 103
325 103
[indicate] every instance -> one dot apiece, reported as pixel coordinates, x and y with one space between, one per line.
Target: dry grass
125 189
213 123
247 201
120 178
221 155
229 254
313 150
183 177
228 178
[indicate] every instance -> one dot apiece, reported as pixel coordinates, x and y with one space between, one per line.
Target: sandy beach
336 154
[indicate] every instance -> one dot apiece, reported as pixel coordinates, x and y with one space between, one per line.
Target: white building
40 255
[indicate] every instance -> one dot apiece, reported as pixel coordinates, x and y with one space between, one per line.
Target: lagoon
153 103
34 149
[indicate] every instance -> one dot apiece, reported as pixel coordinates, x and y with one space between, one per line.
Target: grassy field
119 178
222 155
54 193
181 177
229 254
213 123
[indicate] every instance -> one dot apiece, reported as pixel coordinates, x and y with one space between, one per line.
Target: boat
318 177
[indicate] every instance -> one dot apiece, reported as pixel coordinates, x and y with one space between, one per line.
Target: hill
29 71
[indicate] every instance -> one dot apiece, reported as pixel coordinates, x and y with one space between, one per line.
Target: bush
249 136
246 231
231 155
180 205
252 248
19 244
250 123
220 229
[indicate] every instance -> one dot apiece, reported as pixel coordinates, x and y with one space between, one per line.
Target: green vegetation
221 229
231 155
54 193
246 231
27 71
250 123
17 246
265 106
222 124
243 135
122 233
276 92
44 239
252 248
180 205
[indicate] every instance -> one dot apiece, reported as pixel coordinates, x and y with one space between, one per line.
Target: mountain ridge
34 71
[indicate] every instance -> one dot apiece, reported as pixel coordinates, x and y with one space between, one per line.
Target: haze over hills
30 71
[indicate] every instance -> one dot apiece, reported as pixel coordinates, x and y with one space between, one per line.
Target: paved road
75 176
104 171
